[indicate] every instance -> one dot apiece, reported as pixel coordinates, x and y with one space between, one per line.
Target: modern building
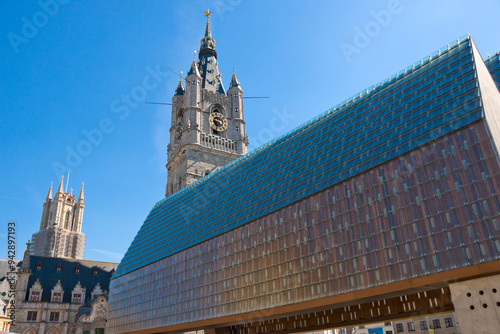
208 125
61 295
60 233
382 207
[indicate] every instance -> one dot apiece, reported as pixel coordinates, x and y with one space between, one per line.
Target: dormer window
36 291
57 292
77 270
35 296
78 294
57 297
39 266
58 269
97 291
77 298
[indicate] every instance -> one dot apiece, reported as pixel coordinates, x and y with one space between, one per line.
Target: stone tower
60 233
208 127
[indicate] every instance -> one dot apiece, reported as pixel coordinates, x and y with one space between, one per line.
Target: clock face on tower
218 121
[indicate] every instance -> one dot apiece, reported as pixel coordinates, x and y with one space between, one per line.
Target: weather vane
207 13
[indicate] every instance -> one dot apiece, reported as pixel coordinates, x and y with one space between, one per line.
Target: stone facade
61 296
207 128
60 233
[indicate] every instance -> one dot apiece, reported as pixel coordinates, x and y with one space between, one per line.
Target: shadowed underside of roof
427 100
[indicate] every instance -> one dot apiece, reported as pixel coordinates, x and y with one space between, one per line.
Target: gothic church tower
60 233
208 128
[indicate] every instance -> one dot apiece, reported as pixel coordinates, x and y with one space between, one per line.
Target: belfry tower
208 127
60 233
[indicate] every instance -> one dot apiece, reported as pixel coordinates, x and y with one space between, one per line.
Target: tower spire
208 31
207 42
49 193
234 81
60 188
194 69
80 197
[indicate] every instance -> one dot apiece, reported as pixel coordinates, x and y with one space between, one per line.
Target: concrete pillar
477 304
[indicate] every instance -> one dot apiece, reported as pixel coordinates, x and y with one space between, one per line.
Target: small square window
399 328
35 296
54 316
423 325
56 296
31 316
448 322
436 323
77 298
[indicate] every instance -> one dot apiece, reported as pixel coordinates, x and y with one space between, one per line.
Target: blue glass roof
493 64
431 98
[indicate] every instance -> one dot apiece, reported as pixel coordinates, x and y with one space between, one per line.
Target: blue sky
73 69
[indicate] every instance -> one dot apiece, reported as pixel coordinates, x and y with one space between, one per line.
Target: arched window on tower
67 221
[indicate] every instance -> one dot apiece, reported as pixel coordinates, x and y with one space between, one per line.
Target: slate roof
48 275
427 100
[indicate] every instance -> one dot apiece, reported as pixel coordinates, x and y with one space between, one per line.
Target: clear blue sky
65 73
